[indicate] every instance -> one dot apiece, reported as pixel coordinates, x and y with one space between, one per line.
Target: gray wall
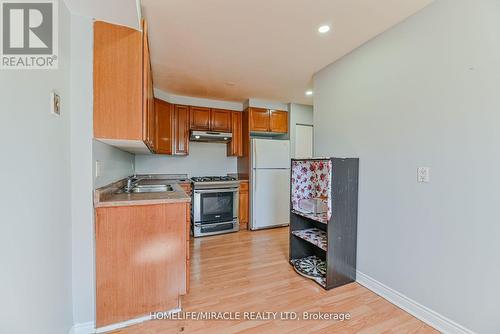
299 114
114 164
425 93
35 229
203 159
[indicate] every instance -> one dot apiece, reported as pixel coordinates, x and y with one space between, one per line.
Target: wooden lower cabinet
141 260
243 205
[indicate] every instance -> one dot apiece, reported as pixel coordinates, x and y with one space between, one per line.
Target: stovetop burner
213 178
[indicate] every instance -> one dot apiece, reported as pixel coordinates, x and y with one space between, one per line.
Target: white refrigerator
269 183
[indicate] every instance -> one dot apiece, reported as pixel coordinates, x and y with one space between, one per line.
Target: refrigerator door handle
254 147
254 181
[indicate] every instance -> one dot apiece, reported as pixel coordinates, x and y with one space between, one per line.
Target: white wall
81 170
114 164
299 114
35 229
203 159
425 93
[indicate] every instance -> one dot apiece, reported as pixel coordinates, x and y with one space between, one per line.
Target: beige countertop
108 197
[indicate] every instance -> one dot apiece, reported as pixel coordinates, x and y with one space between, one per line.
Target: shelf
321 218
311 267
314 236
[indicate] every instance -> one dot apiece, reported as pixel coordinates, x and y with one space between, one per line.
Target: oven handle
213 191
215 224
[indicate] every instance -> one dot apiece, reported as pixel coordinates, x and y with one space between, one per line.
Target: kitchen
158 174
219 166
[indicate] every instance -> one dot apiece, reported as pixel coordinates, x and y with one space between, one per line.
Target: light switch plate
55 103
423 175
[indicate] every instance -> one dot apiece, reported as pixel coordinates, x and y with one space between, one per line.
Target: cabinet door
200 118
164 117
181 130
128 288
118 82
243 203
220 120
278 121
235 146
259 119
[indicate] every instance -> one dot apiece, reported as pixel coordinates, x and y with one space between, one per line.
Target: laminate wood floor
249 271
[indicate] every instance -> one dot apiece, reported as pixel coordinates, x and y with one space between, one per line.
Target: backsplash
204 159
112 164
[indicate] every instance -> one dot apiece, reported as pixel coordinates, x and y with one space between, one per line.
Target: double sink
133 186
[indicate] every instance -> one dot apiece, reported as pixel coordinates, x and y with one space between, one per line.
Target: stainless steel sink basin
149 188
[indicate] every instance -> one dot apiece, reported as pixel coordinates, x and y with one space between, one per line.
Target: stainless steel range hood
211 136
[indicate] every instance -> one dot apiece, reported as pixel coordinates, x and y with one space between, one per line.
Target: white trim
430 317
83 328
197 102
130 322
268 104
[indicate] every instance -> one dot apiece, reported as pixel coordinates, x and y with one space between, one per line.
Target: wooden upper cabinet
268 120
220 120
206 119
200 118
278 121
118 82
181 130
259 120
164 126
235 146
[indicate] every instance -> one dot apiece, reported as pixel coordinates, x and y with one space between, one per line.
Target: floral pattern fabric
312 179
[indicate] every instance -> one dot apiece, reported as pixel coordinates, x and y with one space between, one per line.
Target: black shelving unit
323 247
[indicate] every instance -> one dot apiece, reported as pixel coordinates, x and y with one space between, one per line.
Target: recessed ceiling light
324 29
309 92
197 137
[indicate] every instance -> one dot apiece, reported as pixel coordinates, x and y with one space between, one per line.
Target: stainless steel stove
215 205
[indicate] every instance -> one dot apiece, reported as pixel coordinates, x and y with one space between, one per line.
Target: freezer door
270 198
269 153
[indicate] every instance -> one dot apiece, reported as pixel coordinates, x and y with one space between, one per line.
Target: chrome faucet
131 181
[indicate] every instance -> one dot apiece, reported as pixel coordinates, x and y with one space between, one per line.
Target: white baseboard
83 328
430 317
89 327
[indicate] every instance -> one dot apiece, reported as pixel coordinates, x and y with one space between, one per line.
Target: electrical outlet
423 175
98 168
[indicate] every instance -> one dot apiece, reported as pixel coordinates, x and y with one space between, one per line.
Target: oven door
215 205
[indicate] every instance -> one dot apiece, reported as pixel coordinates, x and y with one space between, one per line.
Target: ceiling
123 12
266 49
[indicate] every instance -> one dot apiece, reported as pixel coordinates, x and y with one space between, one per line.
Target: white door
304 141
269 153
270 198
